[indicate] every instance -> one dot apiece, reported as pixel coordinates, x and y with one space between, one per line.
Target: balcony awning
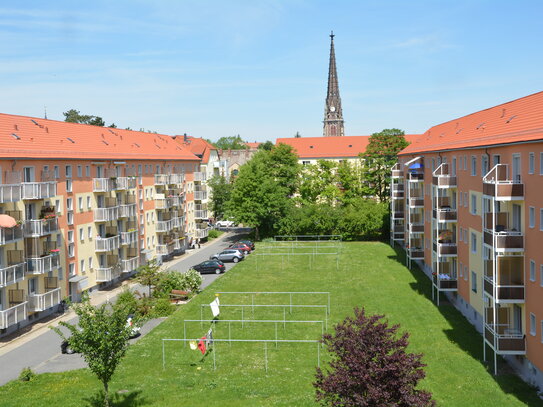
77 279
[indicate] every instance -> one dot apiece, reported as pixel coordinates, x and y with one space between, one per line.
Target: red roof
516 121
30 137
253 146
198 146
330 147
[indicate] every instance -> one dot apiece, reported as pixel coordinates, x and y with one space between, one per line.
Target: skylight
15 136
69 139
105 142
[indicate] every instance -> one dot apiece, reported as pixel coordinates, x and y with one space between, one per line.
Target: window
541 331
531 163
69 204
68 185
461 268
541 275
465 199
80 171
532 324
90 263
88 202
89 232
82 265
87 171
540 163
80 203
473 242
68 171
60 274
140 170
473 281
71 250
57 205
81 234
473 165
305 162
56 172
532 217
532 270
465 273
541 219
71 269
70 236
473 209
484 165
70 217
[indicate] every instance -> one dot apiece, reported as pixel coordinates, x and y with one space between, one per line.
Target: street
42 353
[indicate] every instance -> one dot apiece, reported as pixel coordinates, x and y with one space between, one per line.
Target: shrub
162 308
213 234
193 280
169 280
127 300
26 374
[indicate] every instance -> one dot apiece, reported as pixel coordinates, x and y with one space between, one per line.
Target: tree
112 126
101 336
379 157
230 143
319 183
74 116
221 191
268 145
370 366
149 274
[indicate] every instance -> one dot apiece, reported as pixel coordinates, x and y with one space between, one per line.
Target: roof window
69 139
137 145
34 121
105 142
15 136
310 146
350 145
511 118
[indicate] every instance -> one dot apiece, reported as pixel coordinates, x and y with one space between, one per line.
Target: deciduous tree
74 116
221 190
231 143
149 274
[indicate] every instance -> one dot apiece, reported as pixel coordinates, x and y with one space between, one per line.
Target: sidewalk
99 297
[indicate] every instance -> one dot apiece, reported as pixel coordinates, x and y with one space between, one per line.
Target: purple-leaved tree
370 366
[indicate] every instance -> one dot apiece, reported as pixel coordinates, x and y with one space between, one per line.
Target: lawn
370 275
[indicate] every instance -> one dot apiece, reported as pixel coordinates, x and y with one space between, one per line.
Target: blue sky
259 68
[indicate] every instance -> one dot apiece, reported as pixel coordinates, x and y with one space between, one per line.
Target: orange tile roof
330 147
253 146
520 120
30 137
198 146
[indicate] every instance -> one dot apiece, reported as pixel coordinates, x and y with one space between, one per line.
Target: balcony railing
445 282
127 238
505 339
178 222
201 214
200 195
41 265
446 249
163 203
498 184
164 225
40 227
201 233
416 228
413 176
179 244
10 193
416 202
416 253
13 315
127 210
176 200
398 215
106 244
106 214
10 235
442 177
504 293
165 249
130 265
12 274
396 171
41 302
504 240
39 190
445 215
177 178
104 274
162 179
397 191
103 184
200 176
506 283
122 183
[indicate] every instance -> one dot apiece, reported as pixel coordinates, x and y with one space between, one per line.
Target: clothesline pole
214 362
242 318
229 333
163 357
185 331
276 335
266 355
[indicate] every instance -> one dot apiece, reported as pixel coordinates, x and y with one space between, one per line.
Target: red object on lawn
202 345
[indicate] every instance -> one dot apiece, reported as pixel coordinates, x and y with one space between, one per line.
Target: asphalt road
42 354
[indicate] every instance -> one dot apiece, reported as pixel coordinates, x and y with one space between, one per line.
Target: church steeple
333 115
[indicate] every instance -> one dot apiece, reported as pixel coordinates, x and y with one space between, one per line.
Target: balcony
10 235
13 315
43 264
200 212
161 202
416 202
165 249
130 265
127 210
10 193
105 274
178 222
397 172
162 179
508 284
442 178
445 215
415 176
505 340
38 190
107 244
106 214
398 215
416 253
397 191
41 227
128 238
12 274
445 282
200 195
164 225
122 183
177 178
498 184
416 228
103 184
176 200
200 176
446 249
504 241
41 302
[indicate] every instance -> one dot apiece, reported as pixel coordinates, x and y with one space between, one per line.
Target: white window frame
82 266
90 263
531 216
89 232
473 247
71 269
532 270
87 171
80 203
473 281
80 171
81 234
473 165
531 163
473 207
533 328
89 203
68 171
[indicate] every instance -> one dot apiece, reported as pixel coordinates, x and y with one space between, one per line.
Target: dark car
210 266
242 247
248 243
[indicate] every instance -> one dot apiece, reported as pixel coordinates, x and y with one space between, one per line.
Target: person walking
198 243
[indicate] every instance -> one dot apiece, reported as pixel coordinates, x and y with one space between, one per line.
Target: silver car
229 255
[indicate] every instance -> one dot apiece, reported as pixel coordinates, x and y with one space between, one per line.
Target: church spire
333 114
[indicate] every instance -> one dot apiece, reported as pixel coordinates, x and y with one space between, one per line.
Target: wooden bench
179 295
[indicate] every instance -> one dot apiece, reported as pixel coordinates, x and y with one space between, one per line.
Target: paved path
39 348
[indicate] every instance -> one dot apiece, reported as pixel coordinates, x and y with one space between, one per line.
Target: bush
127 300
193 281
162 308
26 374
169 280
213 234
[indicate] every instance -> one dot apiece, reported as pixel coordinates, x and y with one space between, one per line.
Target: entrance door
28 174
516 167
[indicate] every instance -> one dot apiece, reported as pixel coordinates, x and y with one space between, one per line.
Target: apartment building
467 206
87 206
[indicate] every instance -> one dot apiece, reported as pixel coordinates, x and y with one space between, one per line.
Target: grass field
370 275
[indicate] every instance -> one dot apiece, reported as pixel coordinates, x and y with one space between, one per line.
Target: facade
333 113
467 206
90 204
234 159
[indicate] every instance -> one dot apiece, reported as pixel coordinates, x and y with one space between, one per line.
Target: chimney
185 138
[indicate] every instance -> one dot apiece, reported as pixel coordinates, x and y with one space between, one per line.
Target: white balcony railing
122 183
201 233
127 238
177 178
200 195
41 302
164 225
103 184
127 211
162 203
201 214
41 265
12 274
40 227
165 249
162 179
200 176
10 193
106 214
39 190
106 244
13 315
9 235
178 222
129 265
104 274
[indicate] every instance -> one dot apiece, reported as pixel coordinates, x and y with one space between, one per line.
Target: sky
259 68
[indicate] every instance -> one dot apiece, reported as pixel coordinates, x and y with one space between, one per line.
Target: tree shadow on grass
464 335
117 399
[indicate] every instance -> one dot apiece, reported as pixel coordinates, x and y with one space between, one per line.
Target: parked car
225 224
229 255
241 247
248 243
210 266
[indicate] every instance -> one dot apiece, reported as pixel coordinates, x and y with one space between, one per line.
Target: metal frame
312 252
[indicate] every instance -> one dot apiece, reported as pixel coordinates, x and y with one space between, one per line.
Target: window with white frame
60 274
80 171
82 265
532 270
68 171
69 204
541 275
70 217
56 172
81 234
473 281
89 205
90 263
71 250
89 232
531 163
542 331
532 216
461 269
80 203
466 273
473 165
466 202
540 163
87 171
473 209
532 324
484 165
473 242
71 269
541 219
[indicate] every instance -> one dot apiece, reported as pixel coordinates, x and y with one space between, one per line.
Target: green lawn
370 275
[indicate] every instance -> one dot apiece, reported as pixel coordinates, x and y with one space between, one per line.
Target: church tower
333 115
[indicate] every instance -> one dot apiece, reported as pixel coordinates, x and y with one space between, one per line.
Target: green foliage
162 308
128 301
149 274
74 116
221 191
193 280
169 280
268 145
26 374
231 143
213 234
381 154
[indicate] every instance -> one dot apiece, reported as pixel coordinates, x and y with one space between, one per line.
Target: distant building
234 159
